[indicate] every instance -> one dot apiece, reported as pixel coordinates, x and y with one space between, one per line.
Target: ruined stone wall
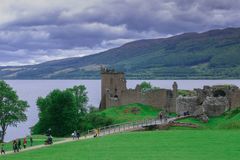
212 106
215 106
156 98
115 93
235 99
184 104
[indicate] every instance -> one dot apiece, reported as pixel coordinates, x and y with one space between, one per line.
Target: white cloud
29 57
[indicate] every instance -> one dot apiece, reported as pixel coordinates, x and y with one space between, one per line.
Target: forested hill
210 55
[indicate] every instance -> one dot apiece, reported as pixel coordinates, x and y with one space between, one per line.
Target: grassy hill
157 145
230 120
131 112
217 139
209 55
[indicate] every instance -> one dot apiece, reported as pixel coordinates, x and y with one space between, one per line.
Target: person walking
2 149
24 142
15 146
49 132
73 136
31 140
78 135
19 144
160 116
98 132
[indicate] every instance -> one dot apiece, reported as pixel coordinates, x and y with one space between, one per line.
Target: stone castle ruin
212 101
115 93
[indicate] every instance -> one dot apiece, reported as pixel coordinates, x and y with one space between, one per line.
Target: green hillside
157 145
131 112
217 139
209 55
230 120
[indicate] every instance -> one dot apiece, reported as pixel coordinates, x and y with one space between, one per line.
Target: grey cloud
63 28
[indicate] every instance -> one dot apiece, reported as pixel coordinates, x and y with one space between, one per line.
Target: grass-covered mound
131 112
229 120
232 120
157 145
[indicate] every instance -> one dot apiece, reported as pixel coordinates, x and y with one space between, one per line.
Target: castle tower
175 88
112 85
175 94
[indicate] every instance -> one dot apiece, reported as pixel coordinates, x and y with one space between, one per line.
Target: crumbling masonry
212 101
115 93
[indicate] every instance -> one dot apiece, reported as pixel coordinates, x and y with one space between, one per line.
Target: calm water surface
30 90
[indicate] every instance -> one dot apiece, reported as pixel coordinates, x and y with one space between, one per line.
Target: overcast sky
34 31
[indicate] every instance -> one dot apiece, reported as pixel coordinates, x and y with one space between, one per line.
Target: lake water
30 90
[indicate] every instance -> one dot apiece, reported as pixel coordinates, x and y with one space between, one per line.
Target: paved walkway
66 140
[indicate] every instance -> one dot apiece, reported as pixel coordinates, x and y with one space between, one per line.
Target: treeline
66 111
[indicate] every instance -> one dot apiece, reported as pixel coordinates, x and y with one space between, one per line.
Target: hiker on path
49 140
73 135
19 143
31 140
49 132
2 149
78 135
160 116
15 146
95 133
24 142
98 132
165 118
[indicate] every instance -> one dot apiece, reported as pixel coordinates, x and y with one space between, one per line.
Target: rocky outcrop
211 106
203 117
188 104
215 106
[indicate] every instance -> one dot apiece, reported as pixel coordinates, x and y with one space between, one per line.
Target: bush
93 120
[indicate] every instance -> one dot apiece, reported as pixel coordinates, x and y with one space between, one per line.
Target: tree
12 110
145 86
81 98
59 111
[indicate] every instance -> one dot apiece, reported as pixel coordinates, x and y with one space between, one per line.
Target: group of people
17 144
76 135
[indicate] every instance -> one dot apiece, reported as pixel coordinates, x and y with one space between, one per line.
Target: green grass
125 113
37 140
230 120
157 145
185 92
217 139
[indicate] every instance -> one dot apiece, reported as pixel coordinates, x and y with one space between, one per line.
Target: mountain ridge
214 54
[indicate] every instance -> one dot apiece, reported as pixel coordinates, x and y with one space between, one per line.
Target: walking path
112 129
66 140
